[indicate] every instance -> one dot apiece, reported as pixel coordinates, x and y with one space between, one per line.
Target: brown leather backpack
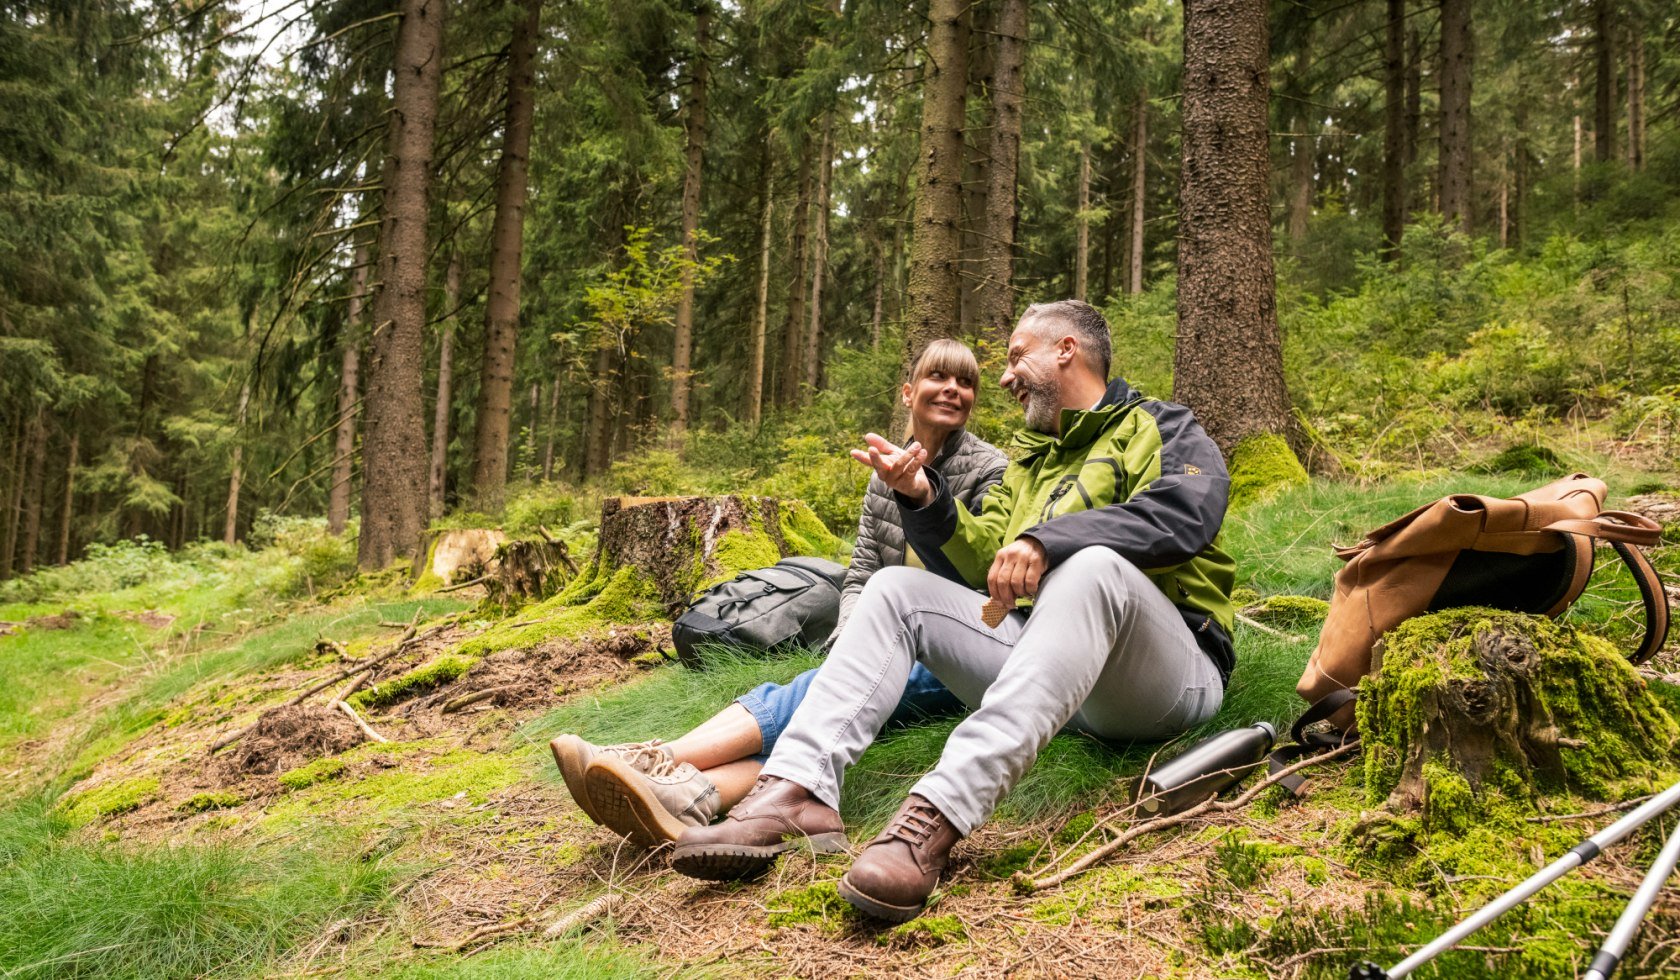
1531 553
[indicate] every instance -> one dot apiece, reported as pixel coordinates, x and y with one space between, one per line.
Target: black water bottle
1205 769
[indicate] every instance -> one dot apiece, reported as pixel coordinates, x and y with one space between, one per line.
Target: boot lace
915 825
647 757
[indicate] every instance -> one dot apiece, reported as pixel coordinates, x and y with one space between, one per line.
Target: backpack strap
1311 743
1614 525
1655 597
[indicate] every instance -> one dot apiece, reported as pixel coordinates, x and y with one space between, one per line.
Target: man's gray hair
1082 320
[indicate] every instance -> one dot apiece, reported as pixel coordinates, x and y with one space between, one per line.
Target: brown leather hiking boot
896 872
775 817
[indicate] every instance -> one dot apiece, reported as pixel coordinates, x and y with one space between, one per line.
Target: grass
76 909
572 960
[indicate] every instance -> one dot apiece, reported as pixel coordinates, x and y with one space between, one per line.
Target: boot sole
625 805
740 862
877 909
567 759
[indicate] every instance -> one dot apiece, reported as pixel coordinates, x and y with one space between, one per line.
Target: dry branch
458 586
367 729
599 908
1253 623
1026 883
467 700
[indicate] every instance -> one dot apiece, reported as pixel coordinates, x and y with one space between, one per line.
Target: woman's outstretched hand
899 469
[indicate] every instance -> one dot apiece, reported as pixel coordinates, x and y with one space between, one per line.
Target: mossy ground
1262 466
426 839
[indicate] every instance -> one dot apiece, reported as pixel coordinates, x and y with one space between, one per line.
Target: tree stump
684 544
1471 702
528 569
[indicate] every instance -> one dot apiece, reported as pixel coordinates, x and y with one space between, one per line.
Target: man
1107 522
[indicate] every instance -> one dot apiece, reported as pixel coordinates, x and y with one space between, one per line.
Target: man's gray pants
1104 652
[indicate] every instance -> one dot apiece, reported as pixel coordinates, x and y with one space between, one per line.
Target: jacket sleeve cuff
929 526
1058 547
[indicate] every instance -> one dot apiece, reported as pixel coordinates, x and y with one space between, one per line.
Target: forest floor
305 847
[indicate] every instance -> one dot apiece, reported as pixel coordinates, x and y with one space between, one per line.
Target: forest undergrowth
130 850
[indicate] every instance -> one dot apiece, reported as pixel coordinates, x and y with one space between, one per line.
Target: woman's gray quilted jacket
970 465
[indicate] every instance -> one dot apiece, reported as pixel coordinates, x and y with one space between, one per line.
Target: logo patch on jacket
1192 470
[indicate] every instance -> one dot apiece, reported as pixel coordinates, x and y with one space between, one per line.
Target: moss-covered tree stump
683 544
1469 703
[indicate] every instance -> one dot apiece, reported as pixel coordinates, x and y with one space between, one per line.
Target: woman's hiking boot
896 872
573 755
649 808
777 816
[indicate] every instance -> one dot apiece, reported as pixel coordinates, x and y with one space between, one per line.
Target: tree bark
437 481
550 414
71 459
1394 131
1636 99
682 356
1302 163
507 241
761 309
936 237
236 475
1082 225
1228 366
597 453
33 491
1414 99
978 28
819 257
349 391
1455 161
17 447
1140 173
394 447
1604 82
793 326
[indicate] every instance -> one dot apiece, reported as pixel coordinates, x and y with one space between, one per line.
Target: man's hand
1015 571
899 469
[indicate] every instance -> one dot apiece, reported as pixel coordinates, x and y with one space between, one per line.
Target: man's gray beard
1043 406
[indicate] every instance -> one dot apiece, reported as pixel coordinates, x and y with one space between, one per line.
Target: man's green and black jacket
1133 474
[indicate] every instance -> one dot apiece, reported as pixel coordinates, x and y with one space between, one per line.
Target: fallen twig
1601 811
599 908
1253 623
467 700
409 635
458 586
478 935
1026 883
367 729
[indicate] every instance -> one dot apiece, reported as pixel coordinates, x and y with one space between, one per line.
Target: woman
650 791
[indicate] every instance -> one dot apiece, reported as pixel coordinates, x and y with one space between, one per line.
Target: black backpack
795 601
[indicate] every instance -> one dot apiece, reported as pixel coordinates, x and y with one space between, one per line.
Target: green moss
211 801
739 551
928 930
804 532
444 670
429 581
454 783
819 904
1450 805
1262 466
311 773
1525 458
1075 830
108 800
1105 891
1244 596
1289 611
1005 862
595 600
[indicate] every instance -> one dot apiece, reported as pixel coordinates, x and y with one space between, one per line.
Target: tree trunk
17 447
819 257
1520 178
1394 131
236 475
1455 162
597 454
761 309
1504 199
682 356
1414 100
1636 99
1082 225
33 491
394 446
438 472
978 28
1228 366
72 458
793 326
1140 173
507 240
1302 163
1604 83
936 238
549 416
349 391
880 292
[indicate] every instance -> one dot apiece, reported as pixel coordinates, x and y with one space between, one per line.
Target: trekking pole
1621 935
1578 855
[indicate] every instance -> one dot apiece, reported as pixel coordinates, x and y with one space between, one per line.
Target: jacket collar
953 444
1081 426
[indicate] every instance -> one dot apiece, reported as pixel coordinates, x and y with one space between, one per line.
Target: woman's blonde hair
951 358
